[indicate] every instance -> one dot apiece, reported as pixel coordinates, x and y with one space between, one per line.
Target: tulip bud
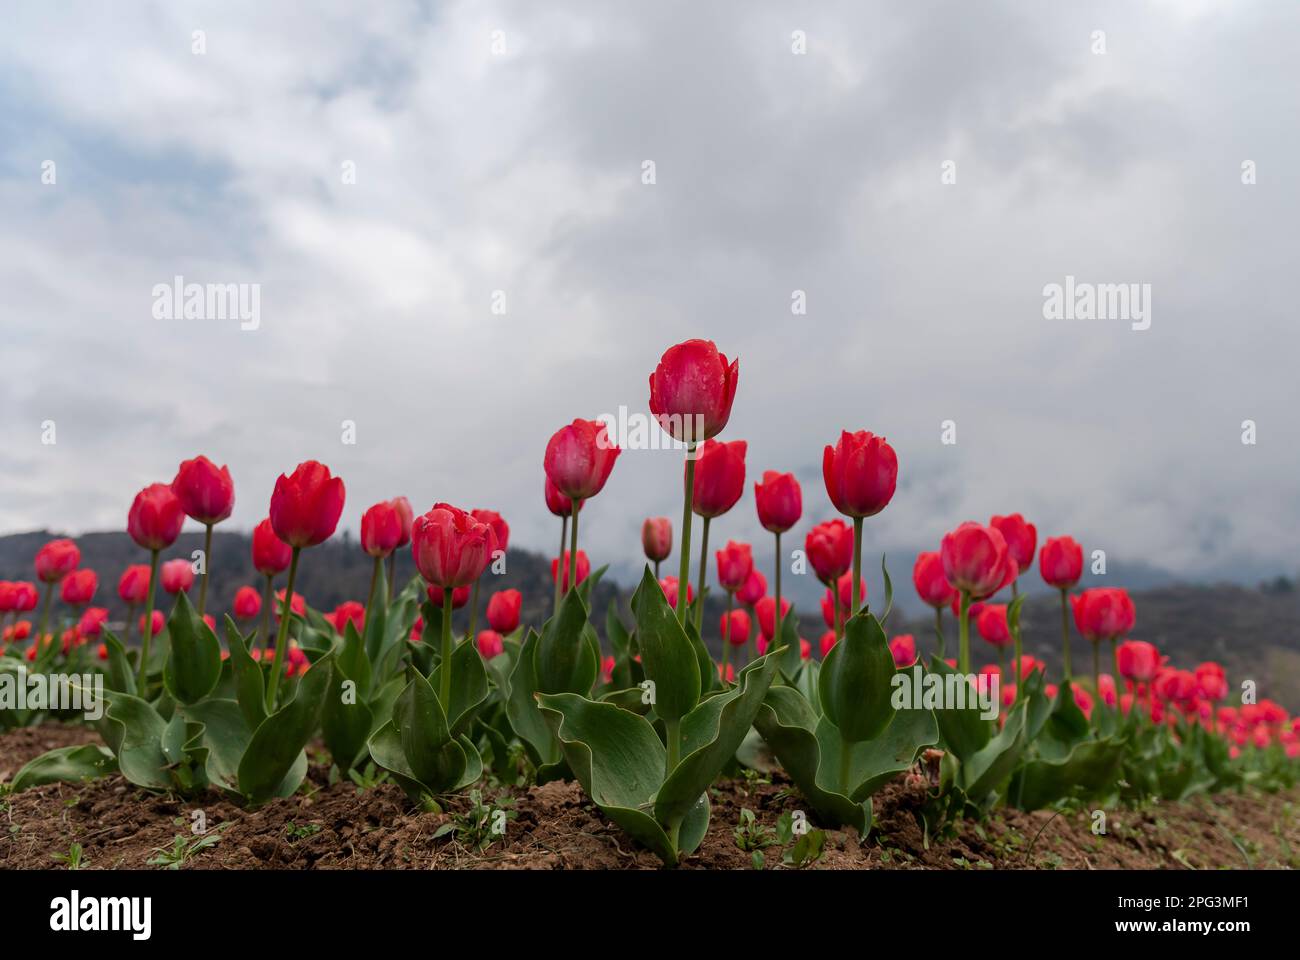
719 477
1021 538
248 604
450 547
692 390
1061 562
579 458
735 564
177 576
271 555
734 628
779 501
755 589
931 584
829 547
78 587
503 611
490 644
657 538
861 472
205 491
56 560
155 518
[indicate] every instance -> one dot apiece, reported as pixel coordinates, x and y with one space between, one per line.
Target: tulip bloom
406 516
829 547
500 540
156 620
490 644
692 390
903 647
579 458
933 588
56 560
779 501
993 627
1061 564
1021 538
734 628
828 640
765 609
206 494
1138 661
247 603
349 611
754 590
154 522
92 621
1103 613
976 563
669 586
305 510
78 587
657 540
451 549
503 611
562 565
177 576
382 531
562 507
438 596
271 555
735 564
717 478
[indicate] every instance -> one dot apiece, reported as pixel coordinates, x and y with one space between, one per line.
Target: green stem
1114 655
559 563
684 567
938 631
656 569
392 575
282 636
268 598
776 639
147 632
1065 631
45 618
963 635
444 688
207 566
1015 664
857 567
704 566
573 545
374 582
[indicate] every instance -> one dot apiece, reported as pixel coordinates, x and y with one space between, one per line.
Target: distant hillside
1254 632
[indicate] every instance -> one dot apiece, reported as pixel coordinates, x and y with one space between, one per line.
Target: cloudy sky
501 147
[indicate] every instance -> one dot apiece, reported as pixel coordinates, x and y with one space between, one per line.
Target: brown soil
555 827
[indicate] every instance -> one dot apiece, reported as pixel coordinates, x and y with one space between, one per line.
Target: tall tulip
562 507
691 393
1061 564
657 540
754 589
975 562
78 587
177 576
271 556
780 505
718 482
1104 613
503 611
1021 538
54 561
247 603
407 516
579 458
381 535
451 549
207 494
500 540
305 510
934 590
734 627
154 522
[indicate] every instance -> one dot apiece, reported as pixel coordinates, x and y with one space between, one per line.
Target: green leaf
521 707
250 685
225 736
964 732
889 590
855 684
66 764
667 654
120 676
194 666
136 738
567 661
1090 769
992 766
275 751
711 734
874 763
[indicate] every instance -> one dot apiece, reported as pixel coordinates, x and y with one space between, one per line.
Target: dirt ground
338 825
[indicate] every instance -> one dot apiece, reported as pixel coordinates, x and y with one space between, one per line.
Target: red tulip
558 503
973 613
1211 682
349 611
583 569
177 575
271 555
829 547
248 603
579 458
754 590
490 644
735 627
692 390
156 517
157 622
56 560
406 516
1107 689
1027 666
459 596
205 491
992 624
381 529
7 596
779 501
903 647
297 605
829 613
1103 612
25 596
827 641
765 609
931 584
92 621
735 564
134 584
450 547
719 477
21 630
861 472
805 649
669 586
844 586
79 587
657 538
503 610
1021 538
1138 660
1061 562
975 559
306 505
500 529
417 630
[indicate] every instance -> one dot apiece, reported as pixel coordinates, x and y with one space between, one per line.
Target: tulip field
230 706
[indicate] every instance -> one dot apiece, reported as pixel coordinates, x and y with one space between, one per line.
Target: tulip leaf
567 660
469 686
275 752
1066 726
792 658
137 741
65 765
120 677
964 731
711 734
984 771
873 763
855 684
346 719
788 724
889 590
668 657
709 678
225 735
194 666
250 685
807 684
1090 768
521 707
